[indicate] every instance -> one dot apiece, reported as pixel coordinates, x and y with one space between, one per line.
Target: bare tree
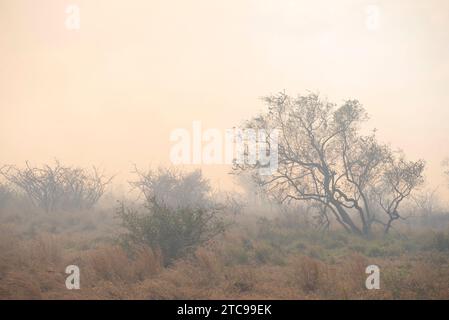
323 157
58 187
426 202
397 182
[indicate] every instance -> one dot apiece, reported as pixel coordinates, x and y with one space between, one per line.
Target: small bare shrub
58 187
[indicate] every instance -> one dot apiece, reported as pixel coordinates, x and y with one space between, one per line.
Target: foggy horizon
234 151
101 95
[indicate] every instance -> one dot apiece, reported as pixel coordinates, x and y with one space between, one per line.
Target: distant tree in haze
58 187
172 188
426 202
446 168
323 157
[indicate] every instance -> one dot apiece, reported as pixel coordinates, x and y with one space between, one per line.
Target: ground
257 258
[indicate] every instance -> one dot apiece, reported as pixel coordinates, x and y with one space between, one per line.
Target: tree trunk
346 218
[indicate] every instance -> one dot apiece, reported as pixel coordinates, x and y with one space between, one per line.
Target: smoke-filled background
91 93
111 92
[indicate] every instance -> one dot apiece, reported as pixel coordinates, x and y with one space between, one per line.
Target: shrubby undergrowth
177 216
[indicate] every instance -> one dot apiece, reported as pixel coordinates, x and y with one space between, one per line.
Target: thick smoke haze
111 92
224 150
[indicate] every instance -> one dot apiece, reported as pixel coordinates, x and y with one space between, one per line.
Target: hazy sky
111 92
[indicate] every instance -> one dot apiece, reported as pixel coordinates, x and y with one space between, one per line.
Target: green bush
376 251
178 214
174 231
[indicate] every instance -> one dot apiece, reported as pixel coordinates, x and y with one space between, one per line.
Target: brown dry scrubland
256 258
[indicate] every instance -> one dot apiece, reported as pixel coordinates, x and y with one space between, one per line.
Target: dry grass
252 260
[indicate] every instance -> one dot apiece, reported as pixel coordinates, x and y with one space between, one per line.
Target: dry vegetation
277 258
342 204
